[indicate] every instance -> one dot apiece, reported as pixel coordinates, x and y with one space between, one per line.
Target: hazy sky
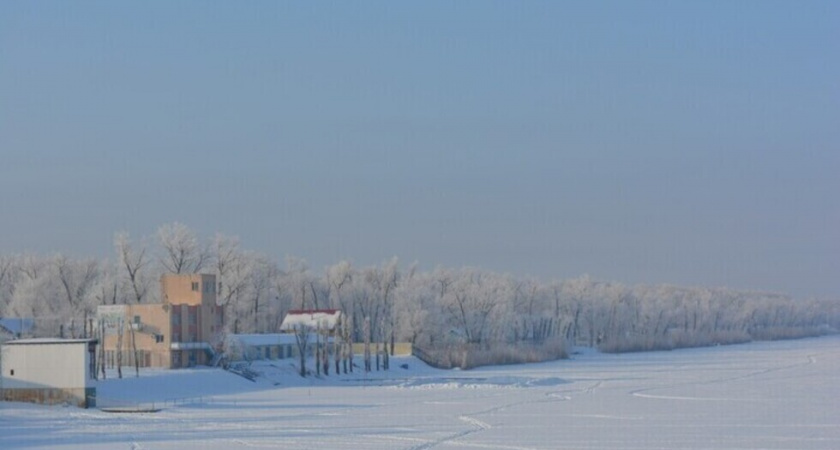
643 142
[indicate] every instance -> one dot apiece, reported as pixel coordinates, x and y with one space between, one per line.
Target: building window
137 320
176 319
195 286
158 338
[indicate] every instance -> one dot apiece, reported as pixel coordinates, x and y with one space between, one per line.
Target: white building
261 346
49 371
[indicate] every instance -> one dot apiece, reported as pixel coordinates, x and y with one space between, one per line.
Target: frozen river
780 395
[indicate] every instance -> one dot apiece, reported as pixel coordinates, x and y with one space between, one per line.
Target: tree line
453 316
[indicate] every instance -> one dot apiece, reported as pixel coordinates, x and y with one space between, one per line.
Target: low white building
49 371
261 346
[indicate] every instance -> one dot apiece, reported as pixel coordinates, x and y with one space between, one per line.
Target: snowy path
780 395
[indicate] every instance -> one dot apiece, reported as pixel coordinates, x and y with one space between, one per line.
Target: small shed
49 371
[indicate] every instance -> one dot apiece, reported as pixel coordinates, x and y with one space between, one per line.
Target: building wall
187 315
82 397
190 289
65 365
152 328
48 373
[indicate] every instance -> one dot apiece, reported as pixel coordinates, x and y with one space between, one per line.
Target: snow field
779 395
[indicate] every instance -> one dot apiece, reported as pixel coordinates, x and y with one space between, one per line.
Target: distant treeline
455 317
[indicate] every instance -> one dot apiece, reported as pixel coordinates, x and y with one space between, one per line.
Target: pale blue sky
643 142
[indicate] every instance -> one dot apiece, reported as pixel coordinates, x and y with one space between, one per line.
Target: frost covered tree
261 274
470 302
35 294
337 279
248 292
372 294
382 282
302 332
462 315
105 291
298 280
135 266
77 279
137 280
231 270
181 249
533 318
415 309
8 269
245 284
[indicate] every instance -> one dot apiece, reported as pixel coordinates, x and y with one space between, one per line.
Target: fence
400 348
127 406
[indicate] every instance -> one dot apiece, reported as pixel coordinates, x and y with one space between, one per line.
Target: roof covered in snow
51 341
326 319
190 346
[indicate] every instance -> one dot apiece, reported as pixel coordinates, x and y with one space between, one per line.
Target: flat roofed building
49 371
177 332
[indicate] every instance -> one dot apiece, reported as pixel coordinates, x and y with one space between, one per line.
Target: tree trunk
119 346
325 356
302 365
136 353
301 336
385 347
366 333
101 358
256 313
318 351
338 344
349 342
392 341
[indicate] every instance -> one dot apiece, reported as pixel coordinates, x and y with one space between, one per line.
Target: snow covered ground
780 395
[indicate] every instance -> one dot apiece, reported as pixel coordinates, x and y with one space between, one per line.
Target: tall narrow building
180 331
